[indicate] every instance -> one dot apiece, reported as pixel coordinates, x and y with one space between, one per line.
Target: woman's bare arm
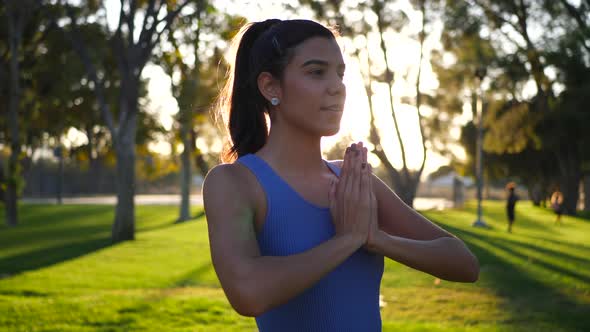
253 283
445 257
409 238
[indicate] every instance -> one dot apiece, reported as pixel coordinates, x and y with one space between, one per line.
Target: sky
355 121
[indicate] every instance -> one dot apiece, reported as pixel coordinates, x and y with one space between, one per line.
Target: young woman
296 241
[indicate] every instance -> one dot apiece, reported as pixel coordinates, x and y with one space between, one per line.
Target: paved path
111 200
421 203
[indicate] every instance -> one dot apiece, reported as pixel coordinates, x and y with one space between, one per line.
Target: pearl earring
274 101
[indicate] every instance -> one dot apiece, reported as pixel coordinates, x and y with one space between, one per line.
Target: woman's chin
331 131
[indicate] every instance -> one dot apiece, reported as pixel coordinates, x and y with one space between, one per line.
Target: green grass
60 272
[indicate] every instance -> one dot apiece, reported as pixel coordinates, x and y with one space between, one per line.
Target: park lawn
59 272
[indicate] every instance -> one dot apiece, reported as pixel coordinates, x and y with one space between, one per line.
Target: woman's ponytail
246 105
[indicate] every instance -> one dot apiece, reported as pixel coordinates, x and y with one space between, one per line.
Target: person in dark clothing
510 204
557 205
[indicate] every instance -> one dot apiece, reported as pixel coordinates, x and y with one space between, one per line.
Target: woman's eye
317 72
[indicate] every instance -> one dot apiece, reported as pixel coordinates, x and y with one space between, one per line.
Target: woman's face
312 92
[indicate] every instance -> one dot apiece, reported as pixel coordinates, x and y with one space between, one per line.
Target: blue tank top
347 298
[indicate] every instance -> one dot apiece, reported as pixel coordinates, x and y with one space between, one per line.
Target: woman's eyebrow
321 63
315 62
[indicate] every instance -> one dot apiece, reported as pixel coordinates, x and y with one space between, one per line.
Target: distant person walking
557 205
511 204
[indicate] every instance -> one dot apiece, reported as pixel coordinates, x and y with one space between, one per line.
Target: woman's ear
269 86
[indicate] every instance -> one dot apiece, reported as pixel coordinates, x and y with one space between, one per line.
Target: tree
16 14
194 84
132 48
529 127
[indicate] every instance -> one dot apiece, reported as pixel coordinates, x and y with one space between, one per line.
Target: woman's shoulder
221 174
229 180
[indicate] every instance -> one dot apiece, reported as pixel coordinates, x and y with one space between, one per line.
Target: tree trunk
124 225
185 178
536 193
15 32
570 178
570 185
405 186
587 192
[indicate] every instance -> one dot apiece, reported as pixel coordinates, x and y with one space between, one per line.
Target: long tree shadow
546 251
539 261
529 300
539 257
193 277
576 246
35 259
57 234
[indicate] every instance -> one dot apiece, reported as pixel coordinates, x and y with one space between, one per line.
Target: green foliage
523 131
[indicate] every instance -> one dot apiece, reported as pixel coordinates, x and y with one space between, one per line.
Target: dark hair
265 46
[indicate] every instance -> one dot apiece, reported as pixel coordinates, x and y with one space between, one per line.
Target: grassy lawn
59 272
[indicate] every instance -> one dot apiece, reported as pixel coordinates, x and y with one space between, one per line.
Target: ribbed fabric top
346 299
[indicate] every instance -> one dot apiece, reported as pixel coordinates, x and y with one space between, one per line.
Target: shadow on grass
528 299
192 278
584 215
34 259
49 235
575 246
23 293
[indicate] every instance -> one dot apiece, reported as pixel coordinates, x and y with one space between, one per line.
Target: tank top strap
267 178
272 184
333 167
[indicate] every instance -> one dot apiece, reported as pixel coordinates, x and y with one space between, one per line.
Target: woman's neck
293 152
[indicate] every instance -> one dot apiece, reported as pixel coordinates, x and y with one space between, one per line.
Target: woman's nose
337 87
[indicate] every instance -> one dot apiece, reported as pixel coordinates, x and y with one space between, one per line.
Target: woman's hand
374 219
351 204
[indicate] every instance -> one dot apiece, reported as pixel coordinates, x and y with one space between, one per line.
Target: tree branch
489 10
418 93
149 13
578 18
80 48
169 18
131 21
389 78
146 33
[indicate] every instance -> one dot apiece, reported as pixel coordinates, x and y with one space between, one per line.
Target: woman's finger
360 170
364 187
344 172
349 180
355 174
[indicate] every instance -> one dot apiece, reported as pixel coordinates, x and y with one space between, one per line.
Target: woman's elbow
245 302
472 269
469 264
473 274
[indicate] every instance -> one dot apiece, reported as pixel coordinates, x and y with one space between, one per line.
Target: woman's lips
333 108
